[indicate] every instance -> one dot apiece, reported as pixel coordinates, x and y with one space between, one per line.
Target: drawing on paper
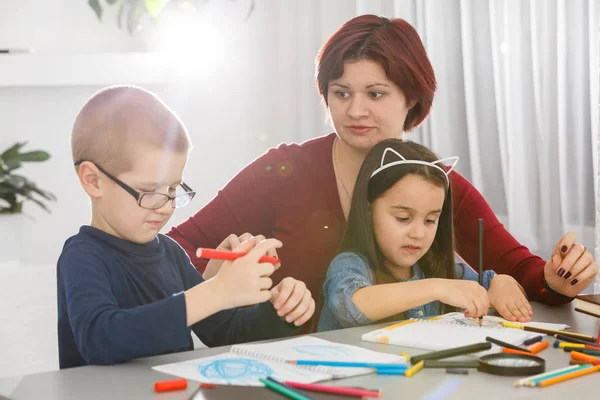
324 351
234 368
475 322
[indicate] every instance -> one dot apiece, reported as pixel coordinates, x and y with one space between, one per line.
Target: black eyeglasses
151 200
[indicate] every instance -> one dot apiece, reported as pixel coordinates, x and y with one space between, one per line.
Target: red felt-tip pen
231 256
169 386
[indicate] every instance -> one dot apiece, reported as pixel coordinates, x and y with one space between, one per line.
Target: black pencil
507 345
480 259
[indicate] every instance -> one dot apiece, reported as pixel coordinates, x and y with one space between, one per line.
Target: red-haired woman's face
365 106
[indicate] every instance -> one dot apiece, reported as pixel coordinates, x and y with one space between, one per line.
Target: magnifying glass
504 364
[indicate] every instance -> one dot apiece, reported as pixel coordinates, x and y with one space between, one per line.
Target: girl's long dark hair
439 261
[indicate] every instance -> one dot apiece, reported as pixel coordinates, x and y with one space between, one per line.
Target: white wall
229 109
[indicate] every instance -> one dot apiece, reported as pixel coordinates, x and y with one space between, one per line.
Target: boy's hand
467 295
230 243
508 298
293 301
571 267
245 281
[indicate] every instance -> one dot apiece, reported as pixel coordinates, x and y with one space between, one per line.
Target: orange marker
169 386
208 386
536 348
575 374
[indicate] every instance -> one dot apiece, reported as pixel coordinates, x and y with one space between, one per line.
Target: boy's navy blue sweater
119 300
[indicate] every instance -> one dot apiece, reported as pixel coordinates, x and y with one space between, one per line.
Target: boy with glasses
124 290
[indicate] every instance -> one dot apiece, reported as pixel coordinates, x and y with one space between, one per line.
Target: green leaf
95 4
155 7
35 156
111 2
12 151
136 11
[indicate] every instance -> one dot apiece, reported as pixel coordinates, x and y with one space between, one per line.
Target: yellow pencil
565 377
562 345
415 368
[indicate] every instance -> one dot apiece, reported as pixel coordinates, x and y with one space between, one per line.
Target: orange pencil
575 355
536 348
571 375
512 351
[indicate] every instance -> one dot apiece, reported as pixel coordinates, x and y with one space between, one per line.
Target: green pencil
284 390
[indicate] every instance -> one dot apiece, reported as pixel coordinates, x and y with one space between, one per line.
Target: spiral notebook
244 364
448 331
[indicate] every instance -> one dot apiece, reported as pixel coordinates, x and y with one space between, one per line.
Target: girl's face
365 106
405 221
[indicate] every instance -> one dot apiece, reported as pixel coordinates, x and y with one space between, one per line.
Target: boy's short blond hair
117 119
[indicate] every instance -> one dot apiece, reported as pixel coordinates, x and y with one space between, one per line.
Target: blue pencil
350 364
391 371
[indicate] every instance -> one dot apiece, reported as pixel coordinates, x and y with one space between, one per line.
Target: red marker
169 386
231 256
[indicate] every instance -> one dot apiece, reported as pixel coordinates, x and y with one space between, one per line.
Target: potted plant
14 191
131 12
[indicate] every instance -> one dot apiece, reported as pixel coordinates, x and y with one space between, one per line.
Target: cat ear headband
401 160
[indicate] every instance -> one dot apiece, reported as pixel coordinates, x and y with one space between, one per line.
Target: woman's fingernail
568 275
561 272
574 282
564 248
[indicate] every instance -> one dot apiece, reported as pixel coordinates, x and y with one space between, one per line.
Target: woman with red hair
376 81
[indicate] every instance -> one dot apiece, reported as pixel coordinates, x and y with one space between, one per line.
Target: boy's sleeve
104 332
346 275
240 325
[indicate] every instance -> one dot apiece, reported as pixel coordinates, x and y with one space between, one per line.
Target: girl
397 256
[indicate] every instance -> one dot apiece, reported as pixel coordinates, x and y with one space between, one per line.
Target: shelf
39 70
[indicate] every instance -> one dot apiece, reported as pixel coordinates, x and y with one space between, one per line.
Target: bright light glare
194 43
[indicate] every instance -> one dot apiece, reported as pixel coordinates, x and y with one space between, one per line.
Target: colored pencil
390 371
562 345
345 364
575 374
415 368
283 389
504 344
231 256
524 381
580 336
536 348
512 351
344 391
457 351
553 374
572 339
480 226
589 352
576 355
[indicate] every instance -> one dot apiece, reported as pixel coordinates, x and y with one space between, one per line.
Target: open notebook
451 330
244 364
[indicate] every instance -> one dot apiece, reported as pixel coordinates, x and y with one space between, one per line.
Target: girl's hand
508 298
467 295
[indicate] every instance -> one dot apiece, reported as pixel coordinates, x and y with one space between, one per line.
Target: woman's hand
571 267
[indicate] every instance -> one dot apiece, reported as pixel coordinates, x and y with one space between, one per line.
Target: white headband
434 164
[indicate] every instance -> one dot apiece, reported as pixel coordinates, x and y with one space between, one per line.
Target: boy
124 290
